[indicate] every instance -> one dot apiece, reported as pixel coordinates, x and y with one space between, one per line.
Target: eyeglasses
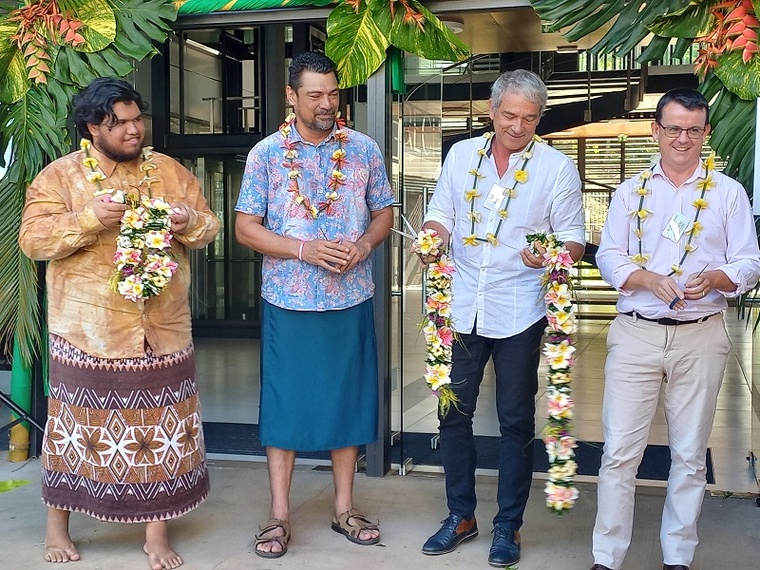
673 132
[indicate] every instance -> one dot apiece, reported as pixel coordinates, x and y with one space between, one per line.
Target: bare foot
157 547
58 544
61 553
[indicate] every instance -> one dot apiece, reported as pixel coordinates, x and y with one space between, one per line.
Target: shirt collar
518 154
699 172
296 136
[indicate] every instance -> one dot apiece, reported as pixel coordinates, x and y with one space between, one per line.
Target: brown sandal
269 526
351 531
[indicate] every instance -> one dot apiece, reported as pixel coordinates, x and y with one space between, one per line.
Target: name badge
495 198
676 227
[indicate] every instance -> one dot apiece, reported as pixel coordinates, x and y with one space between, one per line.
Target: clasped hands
337 256
667 290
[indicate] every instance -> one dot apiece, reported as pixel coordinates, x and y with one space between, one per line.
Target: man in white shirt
679 238
493 191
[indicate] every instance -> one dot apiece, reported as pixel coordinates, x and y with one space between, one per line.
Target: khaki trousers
686 363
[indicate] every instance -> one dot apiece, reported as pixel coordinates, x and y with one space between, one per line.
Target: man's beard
321 123
117 156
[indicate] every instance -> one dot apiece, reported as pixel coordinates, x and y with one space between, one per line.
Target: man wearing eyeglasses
679 238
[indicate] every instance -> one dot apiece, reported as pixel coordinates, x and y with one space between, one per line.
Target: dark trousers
516 362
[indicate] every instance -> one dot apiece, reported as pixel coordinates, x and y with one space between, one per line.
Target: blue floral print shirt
297 285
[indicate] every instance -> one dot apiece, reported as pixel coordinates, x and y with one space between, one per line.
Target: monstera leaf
629 19
355 43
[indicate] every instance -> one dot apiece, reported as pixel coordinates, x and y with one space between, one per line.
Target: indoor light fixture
455 24
570 48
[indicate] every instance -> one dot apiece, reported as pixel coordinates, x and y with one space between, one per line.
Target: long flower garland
144 265
560 490
336 179
520 177
439 336
641 214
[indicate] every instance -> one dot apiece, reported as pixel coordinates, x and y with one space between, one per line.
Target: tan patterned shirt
59 225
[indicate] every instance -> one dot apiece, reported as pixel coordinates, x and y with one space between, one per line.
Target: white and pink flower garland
439 335
560 490
144 265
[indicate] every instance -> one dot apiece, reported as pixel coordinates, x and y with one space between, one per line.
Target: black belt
669 322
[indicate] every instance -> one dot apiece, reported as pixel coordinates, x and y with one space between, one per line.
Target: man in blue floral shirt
315 200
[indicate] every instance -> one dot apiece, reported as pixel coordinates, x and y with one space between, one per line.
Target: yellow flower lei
640 214
336 179
520 177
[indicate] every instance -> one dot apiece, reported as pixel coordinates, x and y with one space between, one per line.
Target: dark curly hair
309 61
93 104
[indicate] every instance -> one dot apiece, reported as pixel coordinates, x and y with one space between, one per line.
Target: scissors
676 298
410 234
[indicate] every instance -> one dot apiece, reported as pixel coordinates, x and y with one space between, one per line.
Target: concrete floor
218 535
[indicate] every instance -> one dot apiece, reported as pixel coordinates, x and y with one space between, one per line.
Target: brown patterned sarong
124 439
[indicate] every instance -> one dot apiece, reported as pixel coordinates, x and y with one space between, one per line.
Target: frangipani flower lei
336 179
144 265
439 336
558 351
640 214
520 177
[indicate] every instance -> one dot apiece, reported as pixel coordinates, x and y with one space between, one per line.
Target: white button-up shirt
727 241
491 285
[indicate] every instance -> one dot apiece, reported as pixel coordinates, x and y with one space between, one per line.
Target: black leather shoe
455 530
600 567
505 549
675 567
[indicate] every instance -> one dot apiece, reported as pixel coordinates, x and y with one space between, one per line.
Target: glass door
227 276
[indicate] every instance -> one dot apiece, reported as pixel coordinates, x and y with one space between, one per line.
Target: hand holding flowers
558 351
439 335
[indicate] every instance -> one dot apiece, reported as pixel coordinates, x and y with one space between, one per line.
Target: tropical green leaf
99 27
135 48
14 81
629 20
733 126
682 44
740 78
655 50
145 17
355 43
121 66
208 6
434 41
690 21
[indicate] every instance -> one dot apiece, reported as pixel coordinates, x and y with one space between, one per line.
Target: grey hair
521 81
